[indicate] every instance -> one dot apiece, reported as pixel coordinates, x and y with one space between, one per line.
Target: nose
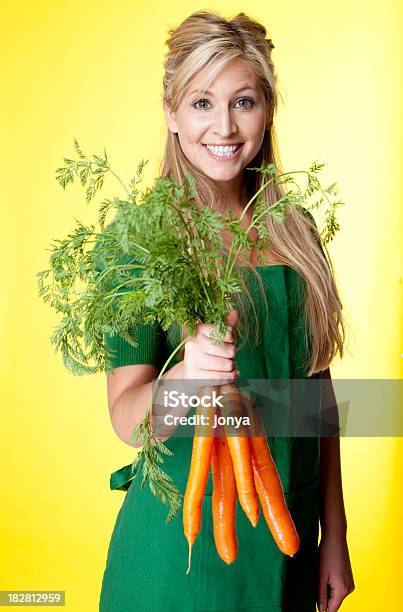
224 123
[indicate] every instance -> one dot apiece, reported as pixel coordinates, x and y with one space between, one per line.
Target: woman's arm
335 574
129 392
332 513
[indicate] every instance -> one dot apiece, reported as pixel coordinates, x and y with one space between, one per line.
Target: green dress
147 558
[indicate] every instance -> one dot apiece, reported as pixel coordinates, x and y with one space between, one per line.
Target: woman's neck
234 195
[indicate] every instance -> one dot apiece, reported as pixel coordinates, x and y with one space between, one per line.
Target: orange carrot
198 473
239 447
223 500
269 487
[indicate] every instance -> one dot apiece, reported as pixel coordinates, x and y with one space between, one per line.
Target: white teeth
222 151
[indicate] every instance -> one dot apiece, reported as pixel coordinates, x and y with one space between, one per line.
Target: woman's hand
203 359
335 574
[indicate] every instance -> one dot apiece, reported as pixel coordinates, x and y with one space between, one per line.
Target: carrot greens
160 259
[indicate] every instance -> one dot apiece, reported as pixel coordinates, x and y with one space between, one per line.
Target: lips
224 157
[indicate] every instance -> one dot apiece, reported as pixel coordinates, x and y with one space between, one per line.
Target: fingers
205 329
205 359
216 375
202 345
225 379
226 350
338 591
232 318
212 363
323 592
207 356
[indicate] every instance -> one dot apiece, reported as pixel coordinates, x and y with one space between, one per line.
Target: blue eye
251 103
198 101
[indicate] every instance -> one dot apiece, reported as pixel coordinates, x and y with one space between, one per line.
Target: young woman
219 101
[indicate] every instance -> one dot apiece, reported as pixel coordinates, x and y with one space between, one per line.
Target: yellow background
92 70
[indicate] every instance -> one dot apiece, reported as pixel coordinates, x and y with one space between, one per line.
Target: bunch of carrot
241 465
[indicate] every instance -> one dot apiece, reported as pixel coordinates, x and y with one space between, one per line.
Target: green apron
147 558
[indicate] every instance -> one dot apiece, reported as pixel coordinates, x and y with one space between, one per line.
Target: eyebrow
243 88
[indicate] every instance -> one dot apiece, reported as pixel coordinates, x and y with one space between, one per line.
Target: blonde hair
206 39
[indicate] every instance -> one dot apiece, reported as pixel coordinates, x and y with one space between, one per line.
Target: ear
170 118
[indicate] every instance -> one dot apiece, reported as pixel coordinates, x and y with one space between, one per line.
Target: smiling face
221 130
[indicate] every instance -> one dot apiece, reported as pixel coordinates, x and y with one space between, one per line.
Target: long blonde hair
206 39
